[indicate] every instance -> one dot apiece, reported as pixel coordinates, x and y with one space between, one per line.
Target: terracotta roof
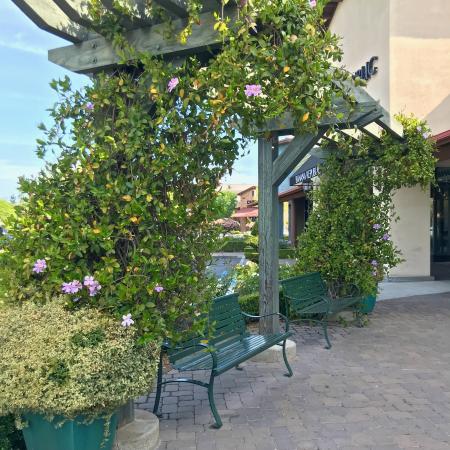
245 212
442 138
291 192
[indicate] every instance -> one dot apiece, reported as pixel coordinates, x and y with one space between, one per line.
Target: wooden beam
361 95
76 10
293 154
268 238
350 115
139 16
47 16
98 54
369 118
177 7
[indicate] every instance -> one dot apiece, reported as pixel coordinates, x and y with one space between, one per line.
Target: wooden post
268 235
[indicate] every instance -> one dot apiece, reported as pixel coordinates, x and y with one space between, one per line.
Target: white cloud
11 172
18 43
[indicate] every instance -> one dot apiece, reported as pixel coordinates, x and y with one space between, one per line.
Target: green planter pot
72 435
368 304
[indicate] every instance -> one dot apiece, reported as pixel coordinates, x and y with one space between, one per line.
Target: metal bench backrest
227 322
304 290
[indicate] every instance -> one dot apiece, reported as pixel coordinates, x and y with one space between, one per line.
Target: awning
245 212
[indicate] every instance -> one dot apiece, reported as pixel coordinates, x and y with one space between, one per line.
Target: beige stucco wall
420 60
364 28
419 84
412 40
412 233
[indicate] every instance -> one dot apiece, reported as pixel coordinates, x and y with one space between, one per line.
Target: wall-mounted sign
301 177
368 70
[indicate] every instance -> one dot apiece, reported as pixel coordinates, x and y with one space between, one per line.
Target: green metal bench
307 297
230 345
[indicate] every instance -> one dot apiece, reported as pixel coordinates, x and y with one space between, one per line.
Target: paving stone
382 387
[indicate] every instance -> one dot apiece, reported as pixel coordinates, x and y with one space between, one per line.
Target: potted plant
65 373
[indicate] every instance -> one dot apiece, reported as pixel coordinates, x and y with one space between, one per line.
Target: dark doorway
440 226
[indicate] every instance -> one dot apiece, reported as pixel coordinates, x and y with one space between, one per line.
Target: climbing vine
348 235
120 216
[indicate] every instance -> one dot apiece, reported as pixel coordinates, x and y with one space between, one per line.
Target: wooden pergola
90 52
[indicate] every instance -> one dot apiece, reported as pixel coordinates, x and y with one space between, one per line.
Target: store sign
368 70
306 175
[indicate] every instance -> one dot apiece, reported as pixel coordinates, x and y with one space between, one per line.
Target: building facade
402 48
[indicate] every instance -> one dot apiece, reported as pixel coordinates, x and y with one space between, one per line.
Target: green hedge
250 303
232 245
252 255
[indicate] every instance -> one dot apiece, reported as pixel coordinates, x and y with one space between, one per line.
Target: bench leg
158 386
290 373
238 367
212 404
325 332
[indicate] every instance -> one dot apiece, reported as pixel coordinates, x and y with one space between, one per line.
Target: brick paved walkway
386 386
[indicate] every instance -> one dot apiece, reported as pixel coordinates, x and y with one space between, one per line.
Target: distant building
247 205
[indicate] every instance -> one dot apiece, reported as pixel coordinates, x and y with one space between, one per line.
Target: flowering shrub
139 154
59 362
347 237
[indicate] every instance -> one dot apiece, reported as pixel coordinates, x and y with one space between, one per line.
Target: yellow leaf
153 90
159 120
305 117
95 165
121 82
96 230
204 341
149 197
134 219
310 29
127 198
286 69
223 27
181 93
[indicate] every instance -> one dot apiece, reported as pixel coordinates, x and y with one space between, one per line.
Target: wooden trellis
90 52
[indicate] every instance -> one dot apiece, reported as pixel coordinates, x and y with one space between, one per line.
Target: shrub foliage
348 232
139 154
57 362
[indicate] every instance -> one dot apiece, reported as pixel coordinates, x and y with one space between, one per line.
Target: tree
224 205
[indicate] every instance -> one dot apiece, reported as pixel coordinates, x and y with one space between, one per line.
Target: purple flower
312 3
374 273
376 226
374 263
93 285
253 90
39 266
386 237
173 83
72 288
426 135
89 106
127 321
158 288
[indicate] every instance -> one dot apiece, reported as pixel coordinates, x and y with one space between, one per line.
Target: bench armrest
286 320
166 346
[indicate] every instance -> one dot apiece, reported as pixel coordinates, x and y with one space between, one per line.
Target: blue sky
25 95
